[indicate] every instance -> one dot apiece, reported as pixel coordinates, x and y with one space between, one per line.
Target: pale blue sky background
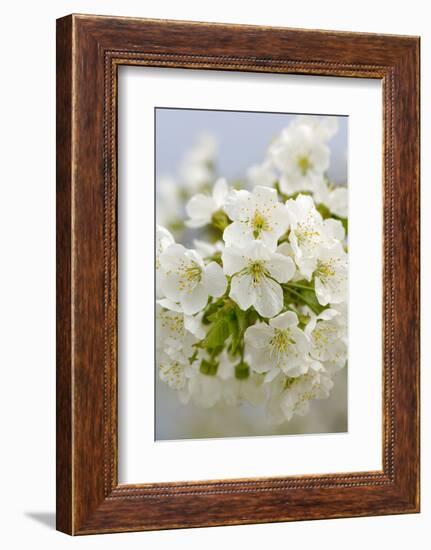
242 137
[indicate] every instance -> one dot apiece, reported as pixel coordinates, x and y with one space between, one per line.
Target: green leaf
311 300
299 292
323 211
252 317
234 330
211 312
217 334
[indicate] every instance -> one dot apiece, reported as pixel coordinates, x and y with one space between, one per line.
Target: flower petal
214 280
171 258
201 207
264 194
195 223
279 219
233 260
168 304
322 293
260 360
237 233
258 335
270 375
242 291
220 192
302 343
269 239
194 325
328 314
256 250
235 202
169 285
269 298
195 300
281 268
284 320
319 158
334 229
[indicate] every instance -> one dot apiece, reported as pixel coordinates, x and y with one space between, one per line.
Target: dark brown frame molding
89 51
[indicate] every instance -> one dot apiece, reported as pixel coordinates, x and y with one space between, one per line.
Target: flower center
173 374
281 342
304 164
323 335
189 276
257 271
306 235
259 224
173 322
325 270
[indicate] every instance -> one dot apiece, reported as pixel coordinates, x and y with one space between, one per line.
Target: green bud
208 368
242 371
220 220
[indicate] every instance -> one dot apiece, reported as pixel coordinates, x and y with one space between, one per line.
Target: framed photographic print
237 274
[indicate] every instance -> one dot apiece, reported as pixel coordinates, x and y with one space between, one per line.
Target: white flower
169 203
176 375
205 390
280 346
185 278
206 250
327 336
340 361
322 128
290 396
338 202
286 249
310 233
249 390
192 323
256 273
197 166
334 198
301 153
201 208
256 216
175 336
262 174
174 347
330 275
240 383
204 150
163 240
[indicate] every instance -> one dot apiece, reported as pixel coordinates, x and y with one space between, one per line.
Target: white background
143 460
27 217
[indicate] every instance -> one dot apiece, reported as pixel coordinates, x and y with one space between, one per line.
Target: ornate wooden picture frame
89 51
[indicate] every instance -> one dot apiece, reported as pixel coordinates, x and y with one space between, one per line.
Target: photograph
251 273
214 327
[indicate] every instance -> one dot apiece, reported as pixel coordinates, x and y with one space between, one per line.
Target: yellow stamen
325 269
257 271
259 224
304 164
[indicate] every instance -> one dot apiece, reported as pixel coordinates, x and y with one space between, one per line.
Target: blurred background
177 421
241 140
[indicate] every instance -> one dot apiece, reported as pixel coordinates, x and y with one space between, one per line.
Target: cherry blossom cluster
255 310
